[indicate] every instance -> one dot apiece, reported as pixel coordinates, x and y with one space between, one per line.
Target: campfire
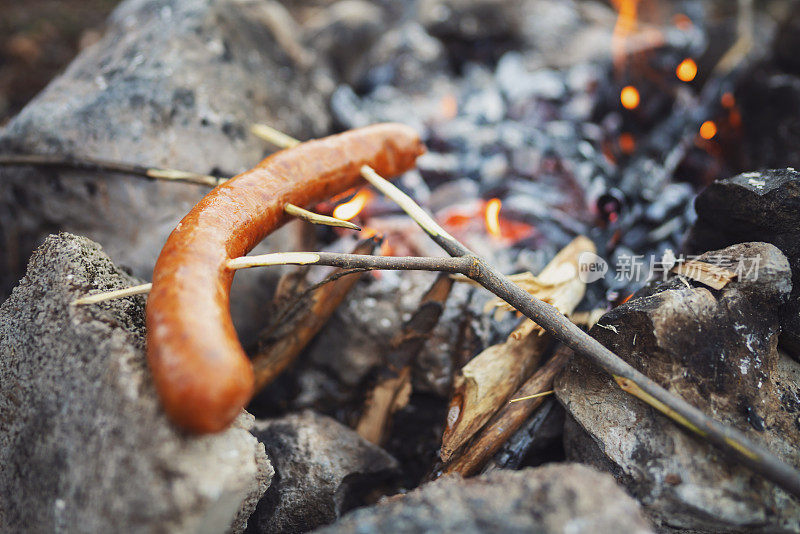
541 270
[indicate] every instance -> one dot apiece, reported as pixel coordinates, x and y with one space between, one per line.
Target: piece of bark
393 389
300 319
509 419
706 273
488 380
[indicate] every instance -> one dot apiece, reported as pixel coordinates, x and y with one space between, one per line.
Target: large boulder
717 349
553 499
84 443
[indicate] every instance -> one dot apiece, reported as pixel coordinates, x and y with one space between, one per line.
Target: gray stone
84 444
718 351
173 83
345 32
322 469
406 57
557 498
755 206
471 20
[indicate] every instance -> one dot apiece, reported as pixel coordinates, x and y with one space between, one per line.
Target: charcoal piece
84 443
322 469
553 499
755 206
718 351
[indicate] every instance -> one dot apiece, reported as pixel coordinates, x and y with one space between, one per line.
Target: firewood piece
393 389
300 320
509 419
488 380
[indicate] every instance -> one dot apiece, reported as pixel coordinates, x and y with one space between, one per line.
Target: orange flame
353 207
708 130
492 218
626 24
629 96
687 70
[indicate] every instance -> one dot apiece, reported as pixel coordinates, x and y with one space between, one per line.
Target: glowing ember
627 143
629 96
492 218
728 100
350 209
708 130
682 21
687 70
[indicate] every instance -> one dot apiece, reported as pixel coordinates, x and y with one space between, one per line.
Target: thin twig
110 295
355 261
316 218
97 165
271 135
534 396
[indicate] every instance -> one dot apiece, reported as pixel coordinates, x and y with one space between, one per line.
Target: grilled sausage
201 372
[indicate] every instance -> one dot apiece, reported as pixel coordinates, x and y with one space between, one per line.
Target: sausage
200 370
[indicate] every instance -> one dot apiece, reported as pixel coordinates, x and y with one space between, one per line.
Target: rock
755 206
470 20
84 443
405 56
173 83
769 101
553 499
322 469
344 33
718 351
